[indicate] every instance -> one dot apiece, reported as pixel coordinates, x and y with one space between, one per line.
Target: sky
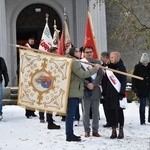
19 133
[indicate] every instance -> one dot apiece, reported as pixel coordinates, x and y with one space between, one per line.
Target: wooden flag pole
113 70
35 50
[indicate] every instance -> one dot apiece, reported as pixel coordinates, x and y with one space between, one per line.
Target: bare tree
134 22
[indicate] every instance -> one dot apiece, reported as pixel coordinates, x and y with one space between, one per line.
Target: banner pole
45 52
113 70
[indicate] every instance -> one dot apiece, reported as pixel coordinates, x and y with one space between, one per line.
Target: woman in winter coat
112 96
142 87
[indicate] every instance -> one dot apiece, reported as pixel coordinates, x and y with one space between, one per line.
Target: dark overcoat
141 87
3 71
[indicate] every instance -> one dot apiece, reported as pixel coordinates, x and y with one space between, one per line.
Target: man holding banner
115 92
76 91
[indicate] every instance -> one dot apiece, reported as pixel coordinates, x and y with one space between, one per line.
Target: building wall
76 15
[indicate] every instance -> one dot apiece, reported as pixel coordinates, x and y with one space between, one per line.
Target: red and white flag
89 39
46 40
65 42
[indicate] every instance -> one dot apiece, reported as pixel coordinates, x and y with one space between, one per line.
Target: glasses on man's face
77 51
89 52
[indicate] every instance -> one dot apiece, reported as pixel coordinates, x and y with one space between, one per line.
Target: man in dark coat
30 44
105 63
3 74
142 87
49 116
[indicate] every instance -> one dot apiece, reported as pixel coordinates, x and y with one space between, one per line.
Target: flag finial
55 24
47 15
65 14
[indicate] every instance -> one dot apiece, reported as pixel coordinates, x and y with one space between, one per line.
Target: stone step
9 101
14 90
10 93
13 96
6 93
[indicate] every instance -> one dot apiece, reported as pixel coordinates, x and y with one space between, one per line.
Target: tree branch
128 10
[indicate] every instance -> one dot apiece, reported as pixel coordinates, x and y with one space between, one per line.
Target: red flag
89 39
65 42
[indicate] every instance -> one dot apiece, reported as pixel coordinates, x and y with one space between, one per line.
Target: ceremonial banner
44 81
89 39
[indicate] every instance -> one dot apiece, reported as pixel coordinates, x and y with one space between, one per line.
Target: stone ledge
9 101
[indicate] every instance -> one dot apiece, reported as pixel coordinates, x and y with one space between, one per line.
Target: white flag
46 40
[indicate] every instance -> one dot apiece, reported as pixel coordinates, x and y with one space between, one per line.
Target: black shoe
143 123
63 118
79 137
53 126
107 125
114 133
73 138
29 117
34 115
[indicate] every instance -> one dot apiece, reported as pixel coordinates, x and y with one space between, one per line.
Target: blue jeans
142 109
71 111
1 99
77 115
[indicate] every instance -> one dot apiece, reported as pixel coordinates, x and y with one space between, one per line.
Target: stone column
3 38
98 15
4 52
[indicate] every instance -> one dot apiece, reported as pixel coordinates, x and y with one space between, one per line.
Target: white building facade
15 24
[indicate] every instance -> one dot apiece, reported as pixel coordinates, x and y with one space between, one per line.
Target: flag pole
55 24
65 14
113 70
34 50
45 52
47 15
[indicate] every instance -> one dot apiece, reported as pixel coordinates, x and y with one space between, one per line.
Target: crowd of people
91 85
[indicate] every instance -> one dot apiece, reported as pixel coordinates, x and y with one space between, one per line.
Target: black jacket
3 71
112 97
141 87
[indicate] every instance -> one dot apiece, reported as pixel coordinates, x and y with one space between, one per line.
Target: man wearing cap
142 87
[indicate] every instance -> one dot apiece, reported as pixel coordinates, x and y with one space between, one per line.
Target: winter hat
144 58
